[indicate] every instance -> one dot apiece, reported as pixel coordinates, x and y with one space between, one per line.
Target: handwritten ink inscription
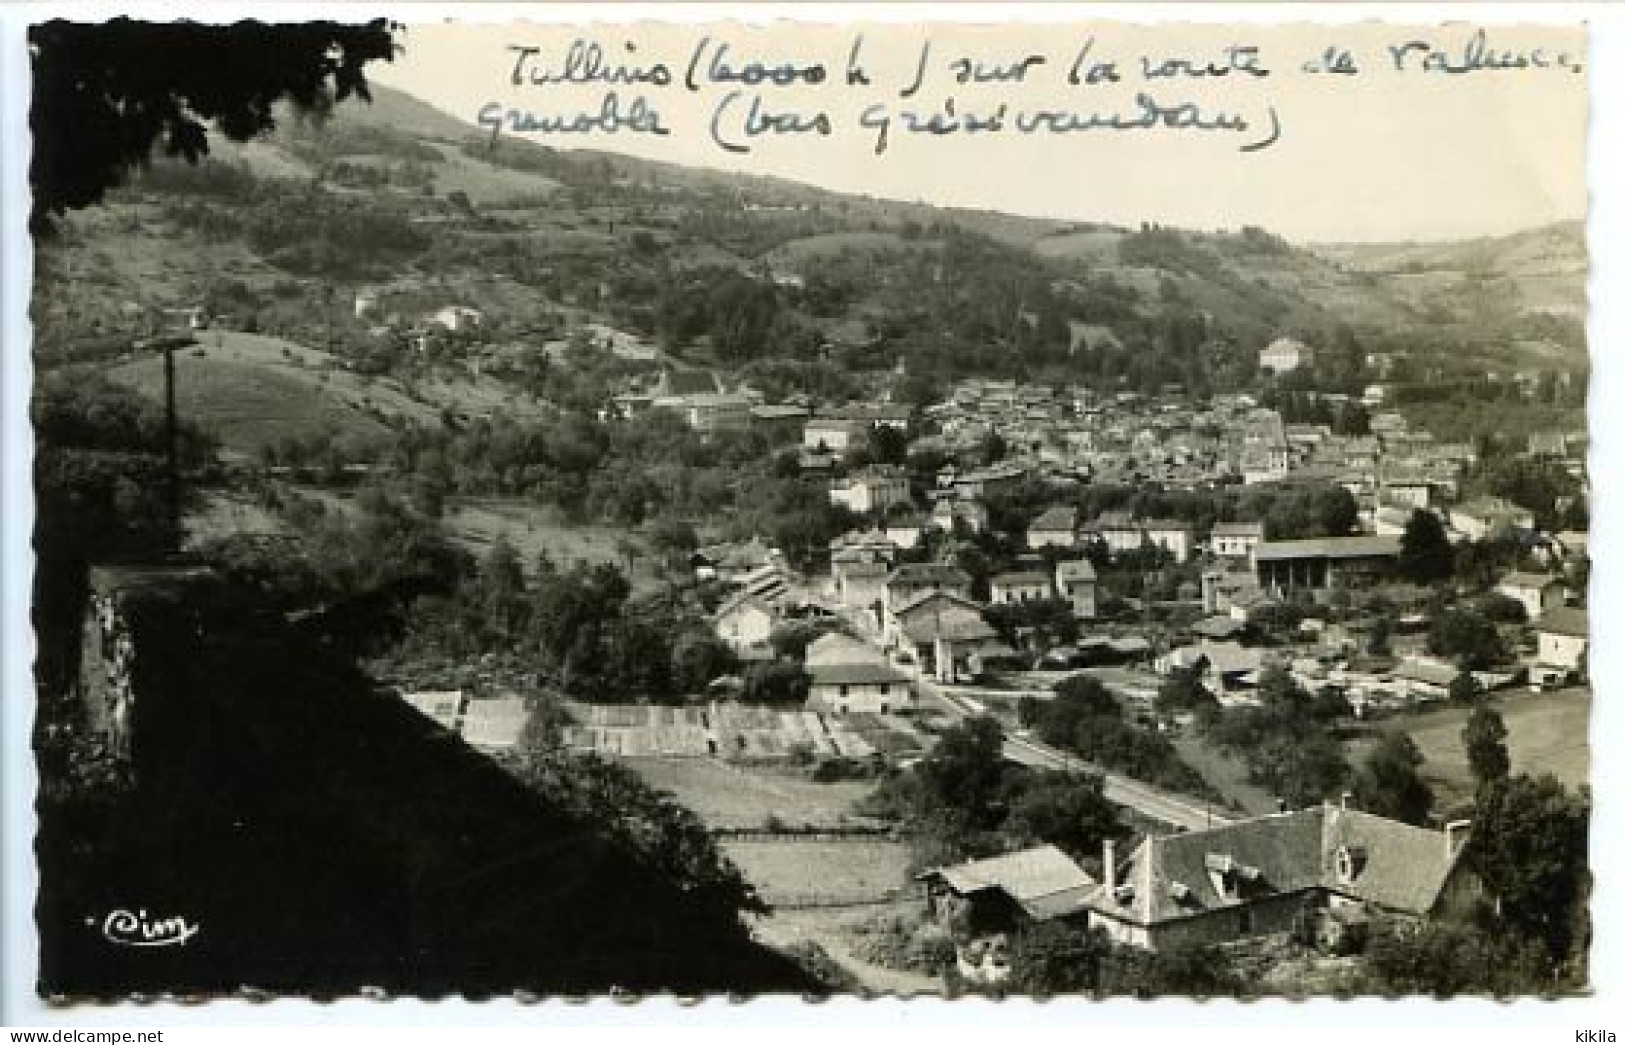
126 928
1228 92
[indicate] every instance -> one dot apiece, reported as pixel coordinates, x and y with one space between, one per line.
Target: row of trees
1086 719
964 801
581 627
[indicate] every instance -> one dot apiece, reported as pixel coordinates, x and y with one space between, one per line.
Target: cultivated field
485 182
736 732
725 795
812 248
1098 245
817 874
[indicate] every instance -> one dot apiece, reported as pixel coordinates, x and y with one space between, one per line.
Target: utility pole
172 464
168 344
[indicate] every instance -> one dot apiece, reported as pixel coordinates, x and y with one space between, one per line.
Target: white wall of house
903 536
1411 495
1082 596
1177 542
870 495
1008 593
1234 545
1118 541
1120 932
1561 651
875 698
1051 539
836 438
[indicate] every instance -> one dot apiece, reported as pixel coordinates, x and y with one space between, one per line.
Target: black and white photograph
745 507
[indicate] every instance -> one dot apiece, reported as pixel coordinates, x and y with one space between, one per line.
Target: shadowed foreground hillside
325 839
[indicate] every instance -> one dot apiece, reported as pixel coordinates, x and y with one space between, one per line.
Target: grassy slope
251 390
1546 733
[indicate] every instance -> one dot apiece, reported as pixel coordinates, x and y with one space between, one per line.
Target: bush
816 962
833 770
906 942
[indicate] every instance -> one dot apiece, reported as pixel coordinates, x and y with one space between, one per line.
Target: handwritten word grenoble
1147 114
138 929
639 117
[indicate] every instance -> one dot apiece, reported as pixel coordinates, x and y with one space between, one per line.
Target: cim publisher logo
126 928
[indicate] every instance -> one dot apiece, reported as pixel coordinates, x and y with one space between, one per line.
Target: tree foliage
1449 958
1086 719
1425 555
1529 845
965 801
105 94
1286 740
1484 738
1466 637
1389 782
1051 958
1177 970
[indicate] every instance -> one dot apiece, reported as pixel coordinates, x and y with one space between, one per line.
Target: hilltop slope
728 271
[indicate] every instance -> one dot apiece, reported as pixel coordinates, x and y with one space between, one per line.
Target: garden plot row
732 731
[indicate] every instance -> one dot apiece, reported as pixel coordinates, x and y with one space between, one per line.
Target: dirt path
784 928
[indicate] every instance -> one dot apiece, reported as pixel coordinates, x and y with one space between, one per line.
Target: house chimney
1108 864
1280 805
1451 829
1345 798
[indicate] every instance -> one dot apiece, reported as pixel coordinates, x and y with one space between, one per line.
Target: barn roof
1044 881
1364 546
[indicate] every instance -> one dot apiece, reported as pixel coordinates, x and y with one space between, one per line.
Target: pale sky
1379 155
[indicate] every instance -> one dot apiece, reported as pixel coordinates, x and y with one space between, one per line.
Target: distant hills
1543 269
732 271
1536 271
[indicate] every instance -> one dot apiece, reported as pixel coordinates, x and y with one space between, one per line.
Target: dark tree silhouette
105 94
1484 738
1389 782
1425 555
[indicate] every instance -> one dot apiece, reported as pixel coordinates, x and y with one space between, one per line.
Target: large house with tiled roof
849 675
911 580
1330 865
858 684
940 630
